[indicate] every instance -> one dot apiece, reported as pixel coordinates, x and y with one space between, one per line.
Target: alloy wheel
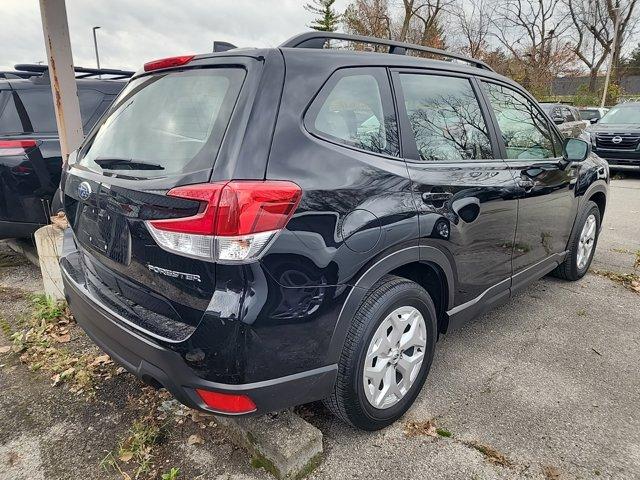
586 241
394 357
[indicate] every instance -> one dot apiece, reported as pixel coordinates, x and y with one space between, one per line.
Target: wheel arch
406 263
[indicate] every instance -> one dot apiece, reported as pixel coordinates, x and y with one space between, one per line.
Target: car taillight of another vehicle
237 220
9 148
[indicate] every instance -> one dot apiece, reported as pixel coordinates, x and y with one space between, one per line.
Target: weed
48 308
443 432
630 281
171 474
493 455
143 435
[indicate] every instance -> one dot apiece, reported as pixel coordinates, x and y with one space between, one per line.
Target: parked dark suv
616 137
30 158
262 228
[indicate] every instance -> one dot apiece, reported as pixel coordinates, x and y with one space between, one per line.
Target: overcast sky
136 31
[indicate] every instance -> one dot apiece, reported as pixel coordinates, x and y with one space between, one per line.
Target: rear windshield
164 124
589 114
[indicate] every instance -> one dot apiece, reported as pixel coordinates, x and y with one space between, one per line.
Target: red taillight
238 219
167 62
227 402
15 147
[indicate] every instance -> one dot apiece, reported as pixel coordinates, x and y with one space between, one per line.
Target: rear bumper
159 365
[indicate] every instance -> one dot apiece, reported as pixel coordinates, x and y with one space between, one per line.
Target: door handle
431 197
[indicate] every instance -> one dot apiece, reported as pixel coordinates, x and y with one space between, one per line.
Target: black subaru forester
262 228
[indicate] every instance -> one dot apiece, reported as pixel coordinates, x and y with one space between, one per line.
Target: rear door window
445 117
354 108
167 123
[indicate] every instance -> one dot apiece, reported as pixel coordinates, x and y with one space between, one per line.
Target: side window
568 115
445 117
38 104
9 118
355 108
89 101
524 128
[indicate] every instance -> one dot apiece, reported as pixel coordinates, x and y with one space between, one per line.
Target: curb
282 443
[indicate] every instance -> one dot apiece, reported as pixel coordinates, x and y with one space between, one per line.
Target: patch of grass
171 474
41 348
490 453
48 308
260 461
135 452
443 432
630 281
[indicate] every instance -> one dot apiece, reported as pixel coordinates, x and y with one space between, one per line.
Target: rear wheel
387 354
582 245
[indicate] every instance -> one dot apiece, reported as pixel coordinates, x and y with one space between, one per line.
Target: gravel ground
545 387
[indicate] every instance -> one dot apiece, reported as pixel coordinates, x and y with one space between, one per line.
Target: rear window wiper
126 164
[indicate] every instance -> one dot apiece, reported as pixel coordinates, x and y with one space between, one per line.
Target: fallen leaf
63 338
126 456
195 438
412 429
55 379
101 360
6 349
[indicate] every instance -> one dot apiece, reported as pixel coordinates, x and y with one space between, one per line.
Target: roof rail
39 70
318 40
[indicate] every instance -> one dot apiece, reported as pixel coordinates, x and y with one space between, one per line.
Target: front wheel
387 354
582 245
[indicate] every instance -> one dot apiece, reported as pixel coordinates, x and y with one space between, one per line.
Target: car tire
392 301
577 262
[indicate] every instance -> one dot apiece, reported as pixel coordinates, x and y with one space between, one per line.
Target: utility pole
63 78
616 24
95 46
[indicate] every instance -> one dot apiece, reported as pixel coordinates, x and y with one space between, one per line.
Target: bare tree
626 25
533 32
474 20
368 17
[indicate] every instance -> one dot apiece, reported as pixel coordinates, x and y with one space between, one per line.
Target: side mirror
594 120
575 150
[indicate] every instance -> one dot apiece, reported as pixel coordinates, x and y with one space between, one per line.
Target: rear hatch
163 131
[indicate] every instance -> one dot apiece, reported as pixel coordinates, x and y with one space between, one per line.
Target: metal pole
95 46
63 78
613 54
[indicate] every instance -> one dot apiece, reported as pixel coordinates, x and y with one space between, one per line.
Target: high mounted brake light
167 62
15 147
237 221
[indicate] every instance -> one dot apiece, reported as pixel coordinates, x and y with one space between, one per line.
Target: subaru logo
84 190
616 139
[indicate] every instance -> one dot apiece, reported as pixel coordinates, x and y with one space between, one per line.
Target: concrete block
49 246
282 443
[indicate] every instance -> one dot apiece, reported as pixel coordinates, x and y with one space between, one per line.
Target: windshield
622 115
166 123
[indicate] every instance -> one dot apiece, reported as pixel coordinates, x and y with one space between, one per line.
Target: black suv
261 228
30 158
616 136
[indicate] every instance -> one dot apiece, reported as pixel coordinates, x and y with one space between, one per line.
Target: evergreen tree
327 19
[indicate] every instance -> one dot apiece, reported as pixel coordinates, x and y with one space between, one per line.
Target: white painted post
63 78
67 108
